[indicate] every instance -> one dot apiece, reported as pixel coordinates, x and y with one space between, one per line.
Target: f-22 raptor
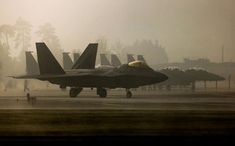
131 75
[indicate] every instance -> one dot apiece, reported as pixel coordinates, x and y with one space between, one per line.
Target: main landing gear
75 91
101 92
128 93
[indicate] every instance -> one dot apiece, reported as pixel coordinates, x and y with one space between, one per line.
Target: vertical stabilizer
130 58
31 64
67 61
115 61
88 58
141 58
104 60
47 62
75 56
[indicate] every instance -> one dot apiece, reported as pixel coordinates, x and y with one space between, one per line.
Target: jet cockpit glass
138 64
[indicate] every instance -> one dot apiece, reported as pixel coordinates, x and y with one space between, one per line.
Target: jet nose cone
161 77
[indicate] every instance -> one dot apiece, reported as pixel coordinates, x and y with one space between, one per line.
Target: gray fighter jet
67 61
115 61
31 64
104 60
75 56
130 58
131 75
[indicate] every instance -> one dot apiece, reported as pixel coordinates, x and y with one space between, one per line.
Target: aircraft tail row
47 63
114 60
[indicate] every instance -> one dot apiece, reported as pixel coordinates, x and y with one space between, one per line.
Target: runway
146 114
221 101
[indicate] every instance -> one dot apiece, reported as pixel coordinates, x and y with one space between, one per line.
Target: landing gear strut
101 92
74 92
128 93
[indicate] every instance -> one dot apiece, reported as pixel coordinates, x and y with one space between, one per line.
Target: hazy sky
186 28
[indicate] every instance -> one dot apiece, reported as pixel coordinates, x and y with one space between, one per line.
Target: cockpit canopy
138 64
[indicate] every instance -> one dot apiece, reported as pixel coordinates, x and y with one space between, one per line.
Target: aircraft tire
102 92
128 94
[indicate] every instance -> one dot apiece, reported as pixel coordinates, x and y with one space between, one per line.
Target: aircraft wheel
128 94
102 92
168 87
63 87
74 92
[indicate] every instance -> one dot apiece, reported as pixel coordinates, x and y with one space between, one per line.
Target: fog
185 28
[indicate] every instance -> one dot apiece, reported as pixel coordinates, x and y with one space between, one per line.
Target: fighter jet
130 58
131 75
67 61
141 58
75 56
203 75
31 64
177 77
115 61
104 62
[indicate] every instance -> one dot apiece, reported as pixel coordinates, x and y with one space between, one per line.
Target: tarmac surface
53 113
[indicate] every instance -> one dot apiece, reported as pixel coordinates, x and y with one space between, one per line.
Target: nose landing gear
128 93
101 92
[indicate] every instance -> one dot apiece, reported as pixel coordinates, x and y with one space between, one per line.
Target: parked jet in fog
130 58
115 61
31 64
131 75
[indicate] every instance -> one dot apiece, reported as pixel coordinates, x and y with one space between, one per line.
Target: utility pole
222 57
229 81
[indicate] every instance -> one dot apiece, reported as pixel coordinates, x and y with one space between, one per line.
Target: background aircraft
67 61
130 58
115 61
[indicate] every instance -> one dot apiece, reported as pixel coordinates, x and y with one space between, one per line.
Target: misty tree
23 35
117 47
102 48
154 53
47 34
102 45
6 32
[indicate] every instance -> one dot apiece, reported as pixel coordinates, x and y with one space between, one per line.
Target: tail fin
141 58
130 58
115 61
31 64
47 62
88 58
104 60
75 56
67 61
